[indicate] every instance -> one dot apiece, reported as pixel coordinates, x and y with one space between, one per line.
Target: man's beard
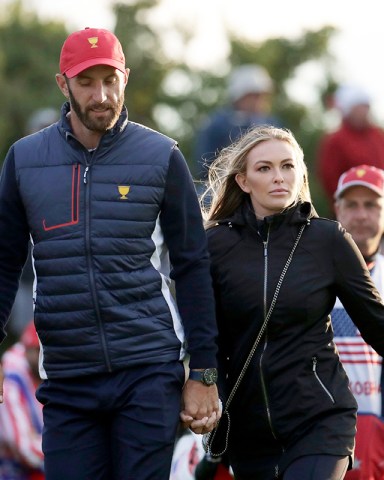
97 124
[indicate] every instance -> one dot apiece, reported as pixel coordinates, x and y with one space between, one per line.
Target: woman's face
272 178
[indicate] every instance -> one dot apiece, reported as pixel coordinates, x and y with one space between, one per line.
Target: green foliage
28 64
163 93
144 57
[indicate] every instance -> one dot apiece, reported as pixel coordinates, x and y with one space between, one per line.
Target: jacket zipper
85 172
91 273
263 384
314 365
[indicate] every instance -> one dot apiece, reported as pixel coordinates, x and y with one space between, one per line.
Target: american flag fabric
21 420
362 364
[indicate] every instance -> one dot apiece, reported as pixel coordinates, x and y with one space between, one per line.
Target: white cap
349 96
248 79
41 118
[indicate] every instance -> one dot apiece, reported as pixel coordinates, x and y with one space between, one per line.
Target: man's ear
62 84
336 207
127 71
241 180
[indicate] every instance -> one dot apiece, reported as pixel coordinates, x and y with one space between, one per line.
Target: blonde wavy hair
223 192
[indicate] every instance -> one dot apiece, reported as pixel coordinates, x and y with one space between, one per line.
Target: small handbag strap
266 320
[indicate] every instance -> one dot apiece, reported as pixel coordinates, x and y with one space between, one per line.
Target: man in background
249 91
359 207
357 139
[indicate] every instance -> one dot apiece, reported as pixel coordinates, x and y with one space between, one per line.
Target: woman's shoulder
326 225
326 233
220 231
222 237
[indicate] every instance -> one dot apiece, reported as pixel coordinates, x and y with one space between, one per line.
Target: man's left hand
200 407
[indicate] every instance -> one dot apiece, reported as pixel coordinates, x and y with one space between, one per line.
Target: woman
293 415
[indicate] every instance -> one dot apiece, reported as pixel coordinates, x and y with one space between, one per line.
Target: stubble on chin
89 118
100 125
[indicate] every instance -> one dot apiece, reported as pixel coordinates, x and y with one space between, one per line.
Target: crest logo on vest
123 190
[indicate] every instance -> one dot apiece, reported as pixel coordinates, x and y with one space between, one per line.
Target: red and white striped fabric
21 420
362 364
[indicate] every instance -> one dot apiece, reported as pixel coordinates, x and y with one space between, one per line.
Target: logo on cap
360 172
90 47
93 41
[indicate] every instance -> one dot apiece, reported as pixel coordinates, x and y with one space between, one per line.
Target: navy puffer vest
94 225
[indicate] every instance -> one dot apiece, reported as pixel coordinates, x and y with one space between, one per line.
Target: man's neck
370 260
86 137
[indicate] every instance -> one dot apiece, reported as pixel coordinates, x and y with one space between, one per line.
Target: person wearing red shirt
357 140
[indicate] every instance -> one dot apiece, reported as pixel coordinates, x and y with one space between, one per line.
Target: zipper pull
85 174
265 242
314 363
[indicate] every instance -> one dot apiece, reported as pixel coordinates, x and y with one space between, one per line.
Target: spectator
249 93
41 118
357 140
114 220
359 207
21 418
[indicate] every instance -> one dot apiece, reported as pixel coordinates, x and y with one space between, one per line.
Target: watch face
210 376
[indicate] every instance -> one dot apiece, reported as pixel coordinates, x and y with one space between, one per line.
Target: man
113 216
359 206
356 141
249 90
21 418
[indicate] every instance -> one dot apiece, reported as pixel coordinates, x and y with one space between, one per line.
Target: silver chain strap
253 349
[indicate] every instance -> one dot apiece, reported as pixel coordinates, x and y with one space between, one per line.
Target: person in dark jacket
292 415
250 91
114 219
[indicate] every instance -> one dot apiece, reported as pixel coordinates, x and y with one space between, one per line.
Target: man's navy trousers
112 426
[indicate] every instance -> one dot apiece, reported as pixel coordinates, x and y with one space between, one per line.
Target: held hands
200 407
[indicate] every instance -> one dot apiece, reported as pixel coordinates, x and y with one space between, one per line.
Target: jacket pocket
319 381
70 192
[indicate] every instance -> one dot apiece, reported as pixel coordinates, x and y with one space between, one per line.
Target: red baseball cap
89 47
363 175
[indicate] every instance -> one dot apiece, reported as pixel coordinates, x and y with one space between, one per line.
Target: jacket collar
299 213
